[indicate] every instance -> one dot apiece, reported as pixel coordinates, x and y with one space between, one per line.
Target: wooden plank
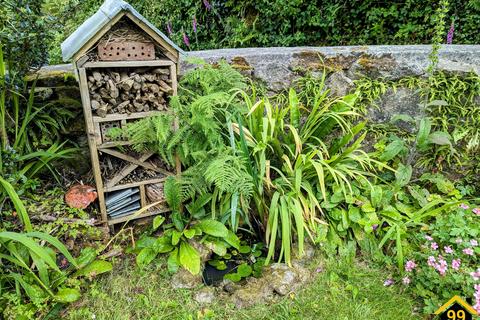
125 171
87 46
143 196
143 215
113 144
132 64
87 111
119 117
132 160
173 77
98 133
171 52
134 184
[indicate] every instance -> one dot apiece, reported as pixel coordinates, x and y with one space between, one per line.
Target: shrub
447 263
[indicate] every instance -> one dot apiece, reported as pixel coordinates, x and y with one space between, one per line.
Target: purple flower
468 251
428 238
169 28
456 264
410 265
448 249
194 24
464 206
319 269
186 40
375 227
406 280
476 211
450 34
474 242
388 282
434 245
207 4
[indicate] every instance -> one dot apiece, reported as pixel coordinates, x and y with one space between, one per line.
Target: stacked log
140 90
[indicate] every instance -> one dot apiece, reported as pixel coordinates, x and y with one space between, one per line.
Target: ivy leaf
213 228
189 258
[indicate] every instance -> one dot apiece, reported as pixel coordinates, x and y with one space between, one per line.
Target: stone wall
278 67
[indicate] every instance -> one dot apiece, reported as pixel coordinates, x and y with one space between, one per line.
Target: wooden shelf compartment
134 217
134 184
128 64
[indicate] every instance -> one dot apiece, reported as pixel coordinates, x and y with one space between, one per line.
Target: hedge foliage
262 23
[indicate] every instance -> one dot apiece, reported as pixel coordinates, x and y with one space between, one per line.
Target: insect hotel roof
110 13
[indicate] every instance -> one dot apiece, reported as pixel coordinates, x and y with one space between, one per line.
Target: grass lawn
342 290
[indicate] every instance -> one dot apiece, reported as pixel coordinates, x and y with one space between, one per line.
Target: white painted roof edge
90 27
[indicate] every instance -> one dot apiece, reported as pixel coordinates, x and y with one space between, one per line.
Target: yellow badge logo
456 309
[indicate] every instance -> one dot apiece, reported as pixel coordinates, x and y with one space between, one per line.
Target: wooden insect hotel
127 70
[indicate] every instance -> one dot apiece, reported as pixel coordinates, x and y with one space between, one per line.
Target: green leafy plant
447 262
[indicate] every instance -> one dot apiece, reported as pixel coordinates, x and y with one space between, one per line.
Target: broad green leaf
95 268
157 222
172 261
376 193
176 235
440 138
423 132
232 239
146 256
213 228
162 245
403 175
56 243
189 258
67 295
244 270
235 277
17 203
189 233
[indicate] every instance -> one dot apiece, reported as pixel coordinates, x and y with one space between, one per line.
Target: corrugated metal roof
108 11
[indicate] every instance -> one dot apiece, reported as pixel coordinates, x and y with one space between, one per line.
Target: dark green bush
262 23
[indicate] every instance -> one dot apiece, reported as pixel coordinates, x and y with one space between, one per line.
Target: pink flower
194 24
388 282
186 40
434 245
477 306
458 241
450 34
475 274
456 264
410 265
468 251
442 266
476 211
406 280
448 249
207 5
474 243
428 238
431 261
464 206
169 28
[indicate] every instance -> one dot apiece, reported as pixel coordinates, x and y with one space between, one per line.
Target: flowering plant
448 262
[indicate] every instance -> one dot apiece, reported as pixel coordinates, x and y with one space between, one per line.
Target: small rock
284 279
339 84
229 286
308 253
183 279
255 291
80 196
205 295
